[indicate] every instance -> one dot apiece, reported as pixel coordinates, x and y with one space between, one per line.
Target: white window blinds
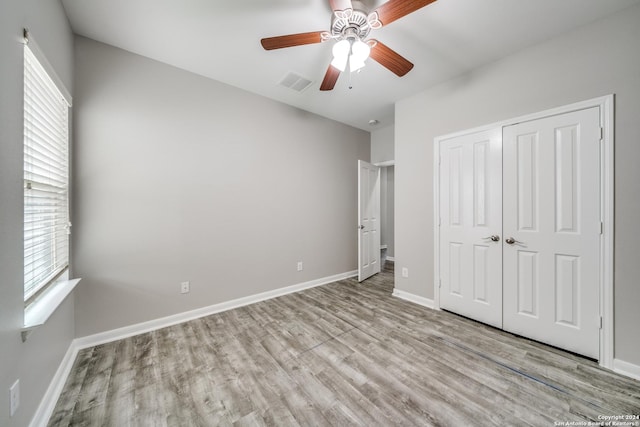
46 177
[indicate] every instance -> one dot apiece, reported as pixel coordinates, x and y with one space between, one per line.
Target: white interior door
552 230
369 220
471 226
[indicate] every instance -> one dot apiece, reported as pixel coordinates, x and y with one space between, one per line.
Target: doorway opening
387 197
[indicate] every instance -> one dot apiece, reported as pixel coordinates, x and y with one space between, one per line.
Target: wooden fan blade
396 9
390 59
340 5
291 40
330 78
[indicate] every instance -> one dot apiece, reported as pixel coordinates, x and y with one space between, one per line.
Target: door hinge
439 283
601 227
601 133
439 221
600 322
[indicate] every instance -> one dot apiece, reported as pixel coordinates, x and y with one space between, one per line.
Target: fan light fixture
353 52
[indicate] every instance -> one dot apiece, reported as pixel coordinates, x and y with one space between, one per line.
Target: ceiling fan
351 23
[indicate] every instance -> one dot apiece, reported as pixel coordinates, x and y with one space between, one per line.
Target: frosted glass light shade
360 50
341 54
359 53
355 64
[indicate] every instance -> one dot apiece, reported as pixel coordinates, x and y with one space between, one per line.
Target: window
46 177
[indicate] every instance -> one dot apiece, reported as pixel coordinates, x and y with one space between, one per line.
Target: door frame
606 105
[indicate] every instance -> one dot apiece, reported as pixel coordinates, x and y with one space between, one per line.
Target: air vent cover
295 82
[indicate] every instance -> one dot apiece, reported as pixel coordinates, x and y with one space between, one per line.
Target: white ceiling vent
295 82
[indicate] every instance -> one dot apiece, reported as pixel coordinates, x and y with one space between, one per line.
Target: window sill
39 311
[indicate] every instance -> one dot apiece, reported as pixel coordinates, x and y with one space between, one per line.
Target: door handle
361 227
494 238
511 240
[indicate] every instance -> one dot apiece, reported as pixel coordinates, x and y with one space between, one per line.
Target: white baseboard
390 258
50 398
48 402
626 368
426 302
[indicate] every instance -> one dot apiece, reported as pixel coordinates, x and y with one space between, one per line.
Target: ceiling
221 40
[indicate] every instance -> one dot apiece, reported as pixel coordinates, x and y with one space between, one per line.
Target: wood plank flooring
337 355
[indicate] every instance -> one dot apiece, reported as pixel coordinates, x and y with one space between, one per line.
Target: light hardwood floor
340 354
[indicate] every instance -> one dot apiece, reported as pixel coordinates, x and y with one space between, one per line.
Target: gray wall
382 145
179 177
596 60
35 361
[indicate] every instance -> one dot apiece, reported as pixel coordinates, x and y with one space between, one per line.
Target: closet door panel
552 230
470 214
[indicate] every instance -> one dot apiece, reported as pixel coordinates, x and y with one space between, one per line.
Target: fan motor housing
351 25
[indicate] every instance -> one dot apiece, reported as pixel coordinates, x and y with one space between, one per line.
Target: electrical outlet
14 393
405 272
184 287
300 267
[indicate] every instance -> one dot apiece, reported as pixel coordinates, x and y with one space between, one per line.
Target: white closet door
470 226
552 230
